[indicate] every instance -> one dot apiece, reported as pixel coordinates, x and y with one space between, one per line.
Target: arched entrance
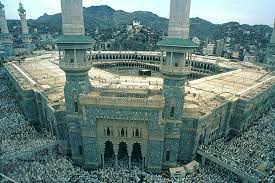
136 156
122 151
109 154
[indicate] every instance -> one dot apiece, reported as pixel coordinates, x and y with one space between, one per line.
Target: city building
220 48
210 49
196 40
249 58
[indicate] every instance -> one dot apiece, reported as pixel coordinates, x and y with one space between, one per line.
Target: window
80 150
137 133
168 156
108 132
75 107
72 60
176 65
172 112
122 133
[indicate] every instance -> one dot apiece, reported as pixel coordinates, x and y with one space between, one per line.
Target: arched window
80 150
167 155
172 112
122 133
108 132
137 133
75 107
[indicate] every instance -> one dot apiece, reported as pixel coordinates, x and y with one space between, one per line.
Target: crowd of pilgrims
55 169
252 148
16 133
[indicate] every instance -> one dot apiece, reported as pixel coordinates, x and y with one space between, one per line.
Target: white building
210 49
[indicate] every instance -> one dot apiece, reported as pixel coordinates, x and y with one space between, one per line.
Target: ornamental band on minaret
6 37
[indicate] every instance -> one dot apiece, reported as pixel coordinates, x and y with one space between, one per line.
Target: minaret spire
6 37
3 21
179 19
72 21
272 39
175 68
22 14
26 37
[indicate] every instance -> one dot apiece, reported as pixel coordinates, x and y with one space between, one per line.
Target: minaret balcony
175 70
75 66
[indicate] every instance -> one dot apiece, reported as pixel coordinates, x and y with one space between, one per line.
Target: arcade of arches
122 140
130 153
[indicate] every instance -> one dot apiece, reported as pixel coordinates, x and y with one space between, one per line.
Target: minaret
272 39
26 37
179 19
176 67
270 54
74 61
6 37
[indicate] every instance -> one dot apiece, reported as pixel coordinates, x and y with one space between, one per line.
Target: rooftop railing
122 101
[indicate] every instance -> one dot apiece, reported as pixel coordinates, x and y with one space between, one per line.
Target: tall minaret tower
73 46
270 54
6 37
175 68
272 39
26 37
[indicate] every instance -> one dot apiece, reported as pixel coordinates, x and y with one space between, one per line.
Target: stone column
130 162
116 163
103 160
143 164
203 159
130 150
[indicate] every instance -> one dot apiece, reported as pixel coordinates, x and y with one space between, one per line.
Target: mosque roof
176 42
82 39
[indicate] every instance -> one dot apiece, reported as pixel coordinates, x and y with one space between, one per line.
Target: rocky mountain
104 17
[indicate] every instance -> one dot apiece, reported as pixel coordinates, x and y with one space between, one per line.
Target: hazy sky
216 11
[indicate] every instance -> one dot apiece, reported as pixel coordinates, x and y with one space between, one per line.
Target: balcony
75 66
175 70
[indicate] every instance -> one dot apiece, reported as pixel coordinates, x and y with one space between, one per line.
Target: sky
216 11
